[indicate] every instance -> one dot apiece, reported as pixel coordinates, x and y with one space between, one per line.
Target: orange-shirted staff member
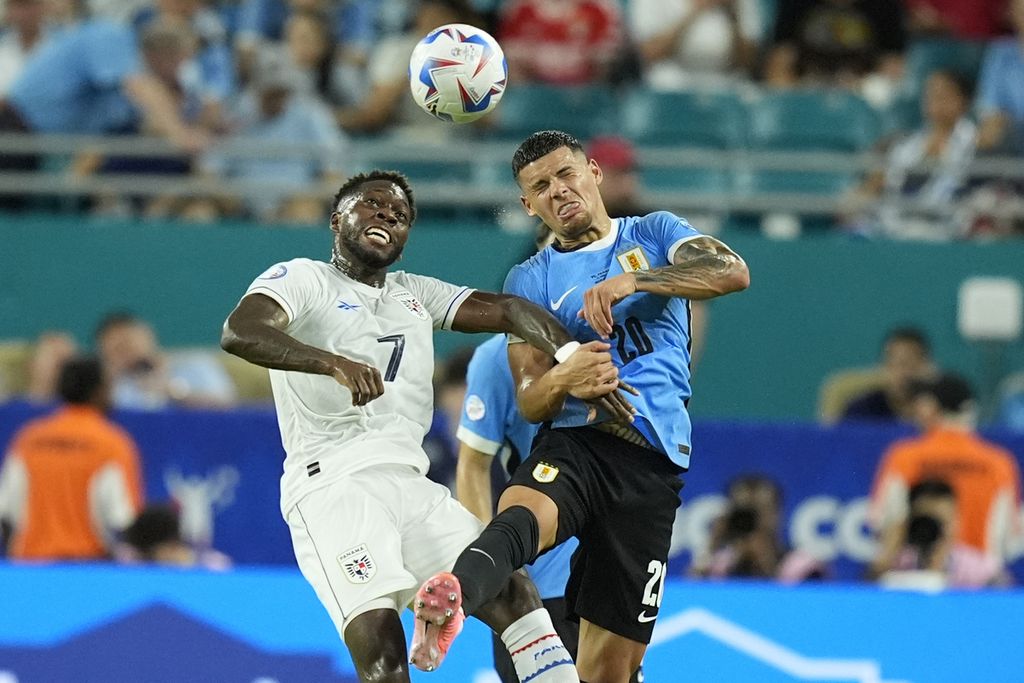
985 477
71 481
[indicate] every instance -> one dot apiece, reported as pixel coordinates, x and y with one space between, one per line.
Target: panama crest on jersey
358 564
411 303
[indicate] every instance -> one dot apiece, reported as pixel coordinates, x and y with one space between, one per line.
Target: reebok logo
555 305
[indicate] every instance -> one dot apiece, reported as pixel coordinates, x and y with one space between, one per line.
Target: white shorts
369 540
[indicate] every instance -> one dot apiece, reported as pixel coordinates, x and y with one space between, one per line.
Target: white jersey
325 437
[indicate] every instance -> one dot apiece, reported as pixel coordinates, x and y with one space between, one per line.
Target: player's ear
526 205
596 171
335 221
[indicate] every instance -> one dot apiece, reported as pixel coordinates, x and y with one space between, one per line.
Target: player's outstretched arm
255 332
588 374
490 312
702 268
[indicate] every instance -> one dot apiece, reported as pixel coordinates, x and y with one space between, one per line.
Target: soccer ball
457 73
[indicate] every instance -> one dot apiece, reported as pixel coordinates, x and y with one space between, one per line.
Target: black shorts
620 501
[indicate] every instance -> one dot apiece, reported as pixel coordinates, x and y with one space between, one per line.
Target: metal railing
483 181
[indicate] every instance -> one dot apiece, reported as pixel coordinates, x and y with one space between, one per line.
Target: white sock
537 651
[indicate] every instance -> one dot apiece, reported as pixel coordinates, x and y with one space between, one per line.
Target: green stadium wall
814 305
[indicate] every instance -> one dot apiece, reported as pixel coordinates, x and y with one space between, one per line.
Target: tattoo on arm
702 268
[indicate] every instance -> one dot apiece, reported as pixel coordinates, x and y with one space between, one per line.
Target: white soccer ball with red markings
457 73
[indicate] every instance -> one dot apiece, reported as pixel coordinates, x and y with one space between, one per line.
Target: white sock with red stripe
537 651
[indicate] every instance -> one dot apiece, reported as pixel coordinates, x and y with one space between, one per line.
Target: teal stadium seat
812 120
829 121
685 119
584 111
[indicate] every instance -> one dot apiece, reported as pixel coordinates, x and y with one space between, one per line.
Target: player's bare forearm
490 312
254 332
702 268
473 482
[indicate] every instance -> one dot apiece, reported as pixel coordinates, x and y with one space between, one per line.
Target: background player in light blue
613 484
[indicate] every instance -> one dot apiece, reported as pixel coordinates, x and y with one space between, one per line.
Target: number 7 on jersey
396 354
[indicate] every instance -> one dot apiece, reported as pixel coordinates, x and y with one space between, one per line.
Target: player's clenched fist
362 380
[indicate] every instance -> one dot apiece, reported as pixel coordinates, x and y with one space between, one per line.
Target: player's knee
544 510
384 667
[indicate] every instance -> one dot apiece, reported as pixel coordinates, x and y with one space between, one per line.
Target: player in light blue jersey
612 483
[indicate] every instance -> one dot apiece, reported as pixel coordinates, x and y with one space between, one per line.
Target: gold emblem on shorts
545 473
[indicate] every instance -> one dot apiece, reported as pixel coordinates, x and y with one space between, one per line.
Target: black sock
508 542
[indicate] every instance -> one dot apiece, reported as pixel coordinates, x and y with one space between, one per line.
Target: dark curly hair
540 143
356 181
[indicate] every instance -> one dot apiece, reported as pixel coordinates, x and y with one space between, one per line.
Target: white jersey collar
361 287
606 241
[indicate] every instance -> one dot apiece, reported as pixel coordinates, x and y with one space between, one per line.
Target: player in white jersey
350 349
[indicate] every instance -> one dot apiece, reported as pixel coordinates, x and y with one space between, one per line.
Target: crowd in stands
934 83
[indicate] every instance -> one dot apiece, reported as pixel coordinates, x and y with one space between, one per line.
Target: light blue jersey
491 424
651 338
72 84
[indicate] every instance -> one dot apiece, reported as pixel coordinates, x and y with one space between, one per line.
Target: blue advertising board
92 624
223 469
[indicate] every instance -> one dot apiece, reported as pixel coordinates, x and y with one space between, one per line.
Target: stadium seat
584 111
812 120
693 180
691 119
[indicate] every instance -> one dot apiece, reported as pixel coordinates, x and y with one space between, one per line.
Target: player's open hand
599 299
362 380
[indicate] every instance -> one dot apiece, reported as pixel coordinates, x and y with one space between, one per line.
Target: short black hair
755 481
155 525
540 143
931 488
356 181
952 392
908 333
114 319
80 379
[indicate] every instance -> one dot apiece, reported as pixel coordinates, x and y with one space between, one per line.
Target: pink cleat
439 620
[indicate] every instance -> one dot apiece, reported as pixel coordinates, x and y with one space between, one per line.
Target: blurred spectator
277 113
155 537
924 552
146 378
960 19
620 186
307 43
168 45
52 350
561 42
23 28
703 43
351 25
929 168
746 539
906 356
91 78
210 73
70 481
1011 403
984 477
440 443
1000 101
836 43
387 102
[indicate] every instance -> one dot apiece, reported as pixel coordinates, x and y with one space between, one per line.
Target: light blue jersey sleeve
663 233
490 397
